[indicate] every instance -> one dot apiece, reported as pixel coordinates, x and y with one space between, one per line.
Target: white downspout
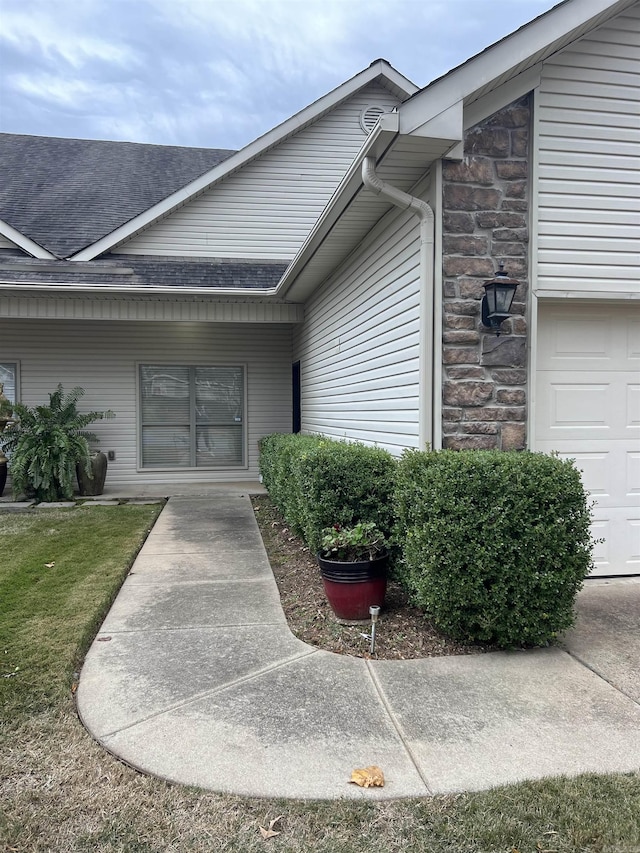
425 361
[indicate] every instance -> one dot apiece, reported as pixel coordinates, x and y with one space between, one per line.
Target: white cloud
218 72
55 91
42 31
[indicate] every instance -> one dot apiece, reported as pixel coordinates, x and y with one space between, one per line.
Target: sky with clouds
218 73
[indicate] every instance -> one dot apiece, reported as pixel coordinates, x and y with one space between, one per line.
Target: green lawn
59 791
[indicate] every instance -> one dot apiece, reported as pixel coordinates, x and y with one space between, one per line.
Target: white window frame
243 465
16 367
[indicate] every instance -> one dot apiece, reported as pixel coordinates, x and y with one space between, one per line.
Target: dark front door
296 424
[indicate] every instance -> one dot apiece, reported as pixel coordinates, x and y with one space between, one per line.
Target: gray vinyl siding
358 347
589 162
5 243
267 208
103 357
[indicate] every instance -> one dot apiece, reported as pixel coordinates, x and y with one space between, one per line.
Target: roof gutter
137 291
423 211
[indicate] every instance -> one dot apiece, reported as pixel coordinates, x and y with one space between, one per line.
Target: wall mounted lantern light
497 299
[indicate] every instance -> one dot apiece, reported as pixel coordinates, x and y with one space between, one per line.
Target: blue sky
218 73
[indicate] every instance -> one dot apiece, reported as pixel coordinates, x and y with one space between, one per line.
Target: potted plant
353 562
46 443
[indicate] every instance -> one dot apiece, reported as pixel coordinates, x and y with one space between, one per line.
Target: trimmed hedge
316 482
495 544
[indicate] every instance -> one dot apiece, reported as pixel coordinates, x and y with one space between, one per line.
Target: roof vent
369 116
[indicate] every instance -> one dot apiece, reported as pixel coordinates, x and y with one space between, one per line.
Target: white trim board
23 242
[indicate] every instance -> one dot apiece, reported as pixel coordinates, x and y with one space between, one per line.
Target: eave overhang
120 275
401 160
80 287
40 304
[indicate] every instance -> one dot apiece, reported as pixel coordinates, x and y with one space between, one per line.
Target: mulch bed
402 633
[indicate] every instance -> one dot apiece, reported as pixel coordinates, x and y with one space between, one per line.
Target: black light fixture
497 299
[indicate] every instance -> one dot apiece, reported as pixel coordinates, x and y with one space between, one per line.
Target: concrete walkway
196 678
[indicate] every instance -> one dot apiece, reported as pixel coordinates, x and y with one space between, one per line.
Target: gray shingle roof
67 193
142 271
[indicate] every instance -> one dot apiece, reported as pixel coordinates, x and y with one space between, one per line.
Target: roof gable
266 209
64 194
379 70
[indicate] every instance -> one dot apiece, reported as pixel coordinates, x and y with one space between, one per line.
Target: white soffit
353 210
34 304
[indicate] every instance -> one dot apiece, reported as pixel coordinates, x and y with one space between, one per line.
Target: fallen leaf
368 777
269 833
103 639
49 565
12 674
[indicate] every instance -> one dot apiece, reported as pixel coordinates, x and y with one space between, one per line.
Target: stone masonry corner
486 216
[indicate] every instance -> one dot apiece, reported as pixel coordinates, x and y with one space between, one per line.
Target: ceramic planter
352 588
4 420
95 486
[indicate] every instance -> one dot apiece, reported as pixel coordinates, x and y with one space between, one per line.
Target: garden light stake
375 612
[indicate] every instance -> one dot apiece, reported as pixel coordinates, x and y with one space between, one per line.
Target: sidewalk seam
163 628
150 581
198 696
599 675
396 724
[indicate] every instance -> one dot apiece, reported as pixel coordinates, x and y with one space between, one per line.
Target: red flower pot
352 588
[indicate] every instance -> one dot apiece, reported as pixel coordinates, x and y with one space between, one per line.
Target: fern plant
45 443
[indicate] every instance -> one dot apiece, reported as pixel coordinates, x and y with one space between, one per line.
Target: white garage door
588 409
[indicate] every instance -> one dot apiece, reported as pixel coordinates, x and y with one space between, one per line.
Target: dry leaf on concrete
368 777
269 833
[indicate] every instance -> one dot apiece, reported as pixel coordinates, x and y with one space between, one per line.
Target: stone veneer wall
486 207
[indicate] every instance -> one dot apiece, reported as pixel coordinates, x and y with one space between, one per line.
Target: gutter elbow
373 182
376 185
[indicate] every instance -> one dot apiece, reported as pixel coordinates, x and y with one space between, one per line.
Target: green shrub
278 453
46 442
316 482
495 545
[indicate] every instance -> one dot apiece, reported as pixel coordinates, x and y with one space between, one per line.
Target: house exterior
329 276
146 275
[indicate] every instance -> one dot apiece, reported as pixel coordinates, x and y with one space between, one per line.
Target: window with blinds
9 378
191 417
